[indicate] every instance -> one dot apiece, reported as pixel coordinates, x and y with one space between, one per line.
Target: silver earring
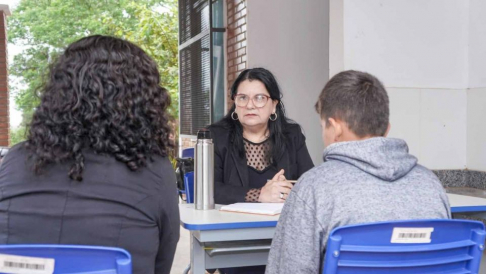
273 120
233 117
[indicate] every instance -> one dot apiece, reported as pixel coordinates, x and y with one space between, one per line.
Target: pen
290 181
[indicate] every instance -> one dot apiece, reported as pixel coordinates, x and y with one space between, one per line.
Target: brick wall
236 42
4 94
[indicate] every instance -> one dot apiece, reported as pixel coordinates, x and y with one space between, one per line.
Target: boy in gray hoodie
365 177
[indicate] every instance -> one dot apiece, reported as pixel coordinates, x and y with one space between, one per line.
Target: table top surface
467 191
463 203
192 219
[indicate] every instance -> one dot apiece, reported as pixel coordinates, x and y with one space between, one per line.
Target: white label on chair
25 265
411 235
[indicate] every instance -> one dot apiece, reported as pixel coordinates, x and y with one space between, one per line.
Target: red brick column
4 93
236 41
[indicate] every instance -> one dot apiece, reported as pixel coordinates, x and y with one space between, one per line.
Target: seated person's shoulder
219 132
218 129
16 152
294 133
426 176
160 166
425 171
16 162
18 148
320 177
293 129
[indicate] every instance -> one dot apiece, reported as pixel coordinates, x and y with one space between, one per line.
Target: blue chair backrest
456 246
189 187
76 259
188 153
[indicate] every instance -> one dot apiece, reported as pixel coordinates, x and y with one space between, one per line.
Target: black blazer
231 171
112 206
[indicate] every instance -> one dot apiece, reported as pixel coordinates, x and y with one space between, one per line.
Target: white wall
336 36
476 129
432 121
476 103
477 44
290 38
421 50
408 43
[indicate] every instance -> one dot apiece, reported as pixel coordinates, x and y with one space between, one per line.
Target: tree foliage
46 27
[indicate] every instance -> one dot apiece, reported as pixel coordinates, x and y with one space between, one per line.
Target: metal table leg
186 271
198 265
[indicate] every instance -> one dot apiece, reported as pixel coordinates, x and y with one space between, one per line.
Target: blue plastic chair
456 246
188 153
77 259
189 187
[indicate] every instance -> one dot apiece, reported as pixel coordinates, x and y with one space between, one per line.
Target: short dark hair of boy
357 98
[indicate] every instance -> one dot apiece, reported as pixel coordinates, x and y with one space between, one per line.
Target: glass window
201 68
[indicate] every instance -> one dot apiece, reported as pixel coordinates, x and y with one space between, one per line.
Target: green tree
157 33
46 27
17 135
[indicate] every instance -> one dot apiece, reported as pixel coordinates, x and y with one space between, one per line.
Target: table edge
263 224
464 209
220 226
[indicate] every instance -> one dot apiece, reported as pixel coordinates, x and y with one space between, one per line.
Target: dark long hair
103 94
277 128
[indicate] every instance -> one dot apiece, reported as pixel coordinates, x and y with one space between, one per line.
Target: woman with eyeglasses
257 148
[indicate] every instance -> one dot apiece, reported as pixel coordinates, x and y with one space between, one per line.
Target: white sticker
25 265
411 235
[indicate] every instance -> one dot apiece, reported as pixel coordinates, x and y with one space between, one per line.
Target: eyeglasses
259 100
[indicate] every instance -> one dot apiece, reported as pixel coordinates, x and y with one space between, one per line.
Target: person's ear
387 130
275 103
337 128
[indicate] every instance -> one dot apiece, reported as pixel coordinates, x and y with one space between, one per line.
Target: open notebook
255 208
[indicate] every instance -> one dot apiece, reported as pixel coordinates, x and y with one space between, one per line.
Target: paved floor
482 269
182 256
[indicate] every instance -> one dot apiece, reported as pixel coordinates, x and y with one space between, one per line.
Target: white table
467 205
213 231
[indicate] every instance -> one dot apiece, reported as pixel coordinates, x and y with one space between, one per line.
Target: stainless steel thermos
204 171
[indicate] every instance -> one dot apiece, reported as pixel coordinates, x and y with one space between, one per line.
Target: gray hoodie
359 182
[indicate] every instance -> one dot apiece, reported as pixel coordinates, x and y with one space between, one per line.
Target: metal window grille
195 64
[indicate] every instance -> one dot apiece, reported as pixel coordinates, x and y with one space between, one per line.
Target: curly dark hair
103 94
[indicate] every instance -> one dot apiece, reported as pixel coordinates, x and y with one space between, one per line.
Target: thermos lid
203 133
